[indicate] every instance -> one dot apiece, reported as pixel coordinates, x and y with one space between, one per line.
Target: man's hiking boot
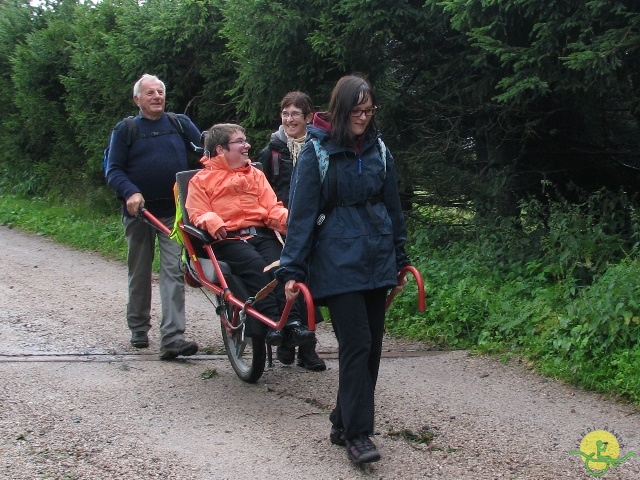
178 348
309 359
139 339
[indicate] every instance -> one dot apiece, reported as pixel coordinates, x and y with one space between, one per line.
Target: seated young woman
233 201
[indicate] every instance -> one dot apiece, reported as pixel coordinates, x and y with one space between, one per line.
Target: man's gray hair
146 76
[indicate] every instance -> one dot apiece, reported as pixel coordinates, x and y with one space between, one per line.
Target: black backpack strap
132 129
332 184
175 120
275 163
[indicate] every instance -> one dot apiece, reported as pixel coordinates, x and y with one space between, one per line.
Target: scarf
295 145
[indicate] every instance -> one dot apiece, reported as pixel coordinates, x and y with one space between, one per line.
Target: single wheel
247 355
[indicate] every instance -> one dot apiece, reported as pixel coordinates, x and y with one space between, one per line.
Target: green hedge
558 289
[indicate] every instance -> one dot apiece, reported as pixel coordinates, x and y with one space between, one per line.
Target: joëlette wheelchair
243 327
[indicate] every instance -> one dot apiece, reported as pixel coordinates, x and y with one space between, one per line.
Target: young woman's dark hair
349 92
298 99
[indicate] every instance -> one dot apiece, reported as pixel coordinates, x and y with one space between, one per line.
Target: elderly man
145 153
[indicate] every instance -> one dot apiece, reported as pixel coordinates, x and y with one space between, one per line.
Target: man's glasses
368 112
239 142
293 115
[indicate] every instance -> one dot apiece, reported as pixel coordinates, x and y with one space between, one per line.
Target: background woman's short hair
298 99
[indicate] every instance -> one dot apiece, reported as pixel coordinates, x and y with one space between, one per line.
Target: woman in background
278 159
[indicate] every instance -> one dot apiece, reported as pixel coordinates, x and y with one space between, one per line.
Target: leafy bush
557 286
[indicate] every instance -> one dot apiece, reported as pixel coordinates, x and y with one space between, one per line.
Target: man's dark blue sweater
149 165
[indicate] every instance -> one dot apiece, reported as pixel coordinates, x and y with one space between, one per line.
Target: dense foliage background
514 123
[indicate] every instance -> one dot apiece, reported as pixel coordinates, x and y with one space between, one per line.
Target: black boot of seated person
336 436
286 354
274 337
297 334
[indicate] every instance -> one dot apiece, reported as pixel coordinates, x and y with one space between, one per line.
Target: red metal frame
419 282
223 289
154 221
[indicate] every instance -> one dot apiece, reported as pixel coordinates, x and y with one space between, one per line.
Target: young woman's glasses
368 112
293 115
239 142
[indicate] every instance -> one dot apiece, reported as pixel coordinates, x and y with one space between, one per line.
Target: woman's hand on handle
402 281
289 291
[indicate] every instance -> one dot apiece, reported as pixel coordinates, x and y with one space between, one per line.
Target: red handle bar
419 282
223 288
154 221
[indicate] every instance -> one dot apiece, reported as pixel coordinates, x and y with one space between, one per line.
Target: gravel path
77 402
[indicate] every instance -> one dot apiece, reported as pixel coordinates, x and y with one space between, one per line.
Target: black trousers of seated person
358 323
247 259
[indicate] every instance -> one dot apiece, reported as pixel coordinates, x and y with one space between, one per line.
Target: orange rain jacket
234 198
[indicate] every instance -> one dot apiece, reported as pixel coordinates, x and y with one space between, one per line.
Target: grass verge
74 225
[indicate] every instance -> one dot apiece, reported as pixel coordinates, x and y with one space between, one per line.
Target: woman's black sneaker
309 359
362 450
337 436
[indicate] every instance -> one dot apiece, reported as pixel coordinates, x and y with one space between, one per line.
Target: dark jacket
355 248
149 165
277 164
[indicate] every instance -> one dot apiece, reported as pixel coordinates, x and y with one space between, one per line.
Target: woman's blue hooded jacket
359 245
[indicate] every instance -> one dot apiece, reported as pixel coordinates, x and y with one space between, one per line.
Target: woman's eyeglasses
293 115
368 112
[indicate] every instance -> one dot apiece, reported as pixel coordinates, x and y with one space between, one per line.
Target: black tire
247 355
